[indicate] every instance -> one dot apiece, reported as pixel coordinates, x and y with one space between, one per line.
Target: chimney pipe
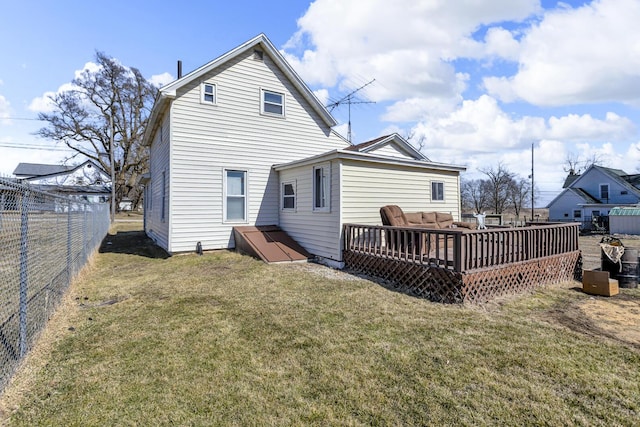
179 68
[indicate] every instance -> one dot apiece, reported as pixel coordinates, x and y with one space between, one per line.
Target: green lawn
223 339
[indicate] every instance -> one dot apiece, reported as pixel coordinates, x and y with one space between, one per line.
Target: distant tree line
500 191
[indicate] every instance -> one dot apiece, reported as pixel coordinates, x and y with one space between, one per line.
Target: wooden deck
459 265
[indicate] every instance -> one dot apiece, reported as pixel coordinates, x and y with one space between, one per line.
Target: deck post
457 252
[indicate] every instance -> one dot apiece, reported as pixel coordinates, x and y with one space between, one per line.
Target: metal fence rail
44 242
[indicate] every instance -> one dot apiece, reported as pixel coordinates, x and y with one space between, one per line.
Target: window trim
283 196
433 199
326 181
203 93
608 191
226 196
263 101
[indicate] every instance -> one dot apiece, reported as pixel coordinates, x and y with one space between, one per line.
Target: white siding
358 191
156 227
390 151
317 232
562 208
624 224
591 180
366 187
206 139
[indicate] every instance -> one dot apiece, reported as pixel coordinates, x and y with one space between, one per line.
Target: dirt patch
616 318
132 243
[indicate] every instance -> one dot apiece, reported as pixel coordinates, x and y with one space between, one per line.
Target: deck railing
462 250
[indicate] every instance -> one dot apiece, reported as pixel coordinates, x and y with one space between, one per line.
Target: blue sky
478 82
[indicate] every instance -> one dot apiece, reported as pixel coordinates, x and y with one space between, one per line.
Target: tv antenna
350 99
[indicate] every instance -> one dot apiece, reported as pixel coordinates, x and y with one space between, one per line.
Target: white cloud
583 128
44 104
5 110
583 55
480 134
405 45
501 43
480 126
322 95
160 80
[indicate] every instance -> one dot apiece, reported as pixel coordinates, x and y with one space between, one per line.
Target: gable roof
371 158
41 170
30 170
169 91
586 197
569 179
616 175
394 139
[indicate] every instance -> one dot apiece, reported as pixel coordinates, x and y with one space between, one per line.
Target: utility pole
532 186
113 172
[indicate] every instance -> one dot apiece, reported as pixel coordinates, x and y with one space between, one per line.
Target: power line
24 146
22 118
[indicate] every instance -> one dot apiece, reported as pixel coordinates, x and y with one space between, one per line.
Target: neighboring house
243 141
86 181
593 194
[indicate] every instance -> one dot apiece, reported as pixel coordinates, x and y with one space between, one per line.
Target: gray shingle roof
37 169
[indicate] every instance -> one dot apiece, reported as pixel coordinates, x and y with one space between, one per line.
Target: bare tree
419 143
519 193
474 195
575 164
499 180
111 100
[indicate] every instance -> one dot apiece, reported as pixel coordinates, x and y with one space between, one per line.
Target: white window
289 195
208 93
604 191
272 103
321 188
437 191
235 195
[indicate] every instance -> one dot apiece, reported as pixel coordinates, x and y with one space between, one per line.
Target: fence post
24 271
69 272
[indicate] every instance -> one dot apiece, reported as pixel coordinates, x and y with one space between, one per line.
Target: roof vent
258 54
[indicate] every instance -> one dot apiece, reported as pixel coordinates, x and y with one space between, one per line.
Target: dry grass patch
224 339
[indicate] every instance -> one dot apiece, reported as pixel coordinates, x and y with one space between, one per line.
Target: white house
85 181
243 141
593 194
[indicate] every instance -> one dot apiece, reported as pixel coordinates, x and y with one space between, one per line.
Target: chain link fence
44 242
